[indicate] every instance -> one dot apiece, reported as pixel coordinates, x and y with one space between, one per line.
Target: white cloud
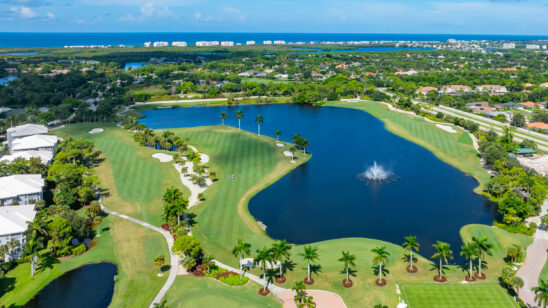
198 17
50 15
234 13
24 12
150 11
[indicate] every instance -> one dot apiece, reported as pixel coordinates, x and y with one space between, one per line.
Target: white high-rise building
179 44
279 42
207 43
147 44
227 43
452 41
250 43
532 46
267 42
160 44
509 45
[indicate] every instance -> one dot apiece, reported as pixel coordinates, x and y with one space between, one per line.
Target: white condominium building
21 189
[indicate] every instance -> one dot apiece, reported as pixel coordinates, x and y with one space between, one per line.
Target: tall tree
281 250
159 261
348 260
259 120
239 116
300 291
310 254
263 256
541 293
443 253
380 258
411 244
223 118
32 248
469 251
484 247
241 250
277 133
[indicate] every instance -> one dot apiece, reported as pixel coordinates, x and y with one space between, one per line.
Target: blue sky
347 16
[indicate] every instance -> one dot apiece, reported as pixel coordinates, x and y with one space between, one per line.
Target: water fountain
376 173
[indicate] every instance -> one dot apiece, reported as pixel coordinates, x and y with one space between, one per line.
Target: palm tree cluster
166 140
175 206
302 299
476 250
300 142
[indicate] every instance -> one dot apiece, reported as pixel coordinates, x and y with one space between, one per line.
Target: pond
89 286
325 199
134 65
4 81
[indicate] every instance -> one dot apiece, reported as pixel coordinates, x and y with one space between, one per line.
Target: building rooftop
34 142
44 156
27 130
20 184
14 218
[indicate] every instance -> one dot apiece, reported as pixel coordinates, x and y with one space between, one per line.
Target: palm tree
292 150
469 251
300 290
541 293
97 221
277 133
304 144
263 255
348 260
309 302
281 250
513 252
223 118
484 247
208 261
32 248
159 260
239 116
179 207
241 250
443 252
411 244
259 120
310 254
381 257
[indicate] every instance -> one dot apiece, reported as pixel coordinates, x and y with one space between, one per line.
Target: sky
286 16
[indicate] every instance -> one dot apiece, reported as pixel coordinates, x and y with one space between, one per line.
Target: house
407 73
21 189
35 142
11 70
315 75
281 76
455 89
13 223
492 89
539 125
45 157
260 75
367 74
323 67
426 90
26 130
544 85
480 107
529 104
509 105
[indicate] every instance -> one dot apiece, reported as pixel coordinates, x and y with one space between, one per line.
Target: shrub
226 277
78 250
518 228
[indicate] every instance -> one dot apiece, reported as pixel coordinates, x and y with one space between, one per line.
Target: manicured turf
451 148
129 246
140 179
191 292
456 296
256 162
500 238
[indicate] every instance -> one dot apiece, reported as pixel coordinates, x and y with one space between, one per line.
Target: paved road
534 262
169 240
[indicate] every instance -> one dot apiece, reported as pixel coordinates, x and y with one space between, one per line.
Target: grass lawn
454 149
129 246
456 296
256 163
139 179
191 292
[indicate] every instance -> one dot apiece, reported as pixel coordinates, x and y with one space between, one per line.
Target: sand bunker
164 158
96 131
447 128
537 162
287 153
278 144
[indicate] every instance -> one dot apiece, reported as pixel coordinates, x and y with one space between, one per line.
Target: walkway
534 262
174 258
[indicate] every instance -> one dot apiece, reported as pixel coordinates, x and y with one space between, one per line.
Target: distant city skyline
526 17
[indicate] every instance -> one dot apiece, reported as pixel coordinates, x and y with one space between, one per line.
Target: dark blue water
27 39
324 199
89 286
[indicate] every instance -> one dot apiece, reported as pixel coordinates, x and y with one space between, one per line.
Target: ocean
37 40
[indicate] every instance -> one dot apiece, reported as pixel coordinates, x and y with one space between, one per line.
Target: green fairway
129 246
456 296
501 239
191 292
455 149
140 179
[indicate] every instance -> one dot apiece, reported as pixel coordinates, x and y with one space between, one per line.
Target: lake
324 198
134 65
89 286
4 81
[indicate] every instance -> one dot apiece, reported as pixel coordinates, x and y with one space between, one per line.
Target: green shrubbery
78 250
518 228
226 277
